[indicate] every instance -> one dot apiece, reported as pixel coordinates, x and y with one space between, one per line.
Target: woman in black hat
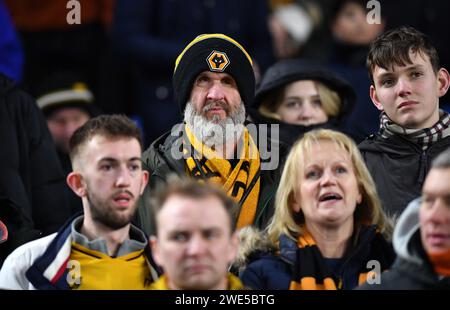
300 96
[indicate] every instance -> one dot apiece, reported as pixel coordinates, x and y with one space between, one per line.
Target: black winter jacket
32 195
158 160
398 167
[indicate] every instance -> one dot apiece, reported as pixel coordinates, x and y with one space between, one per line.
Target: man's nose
123 178
197 246
216 92
439 212
403 87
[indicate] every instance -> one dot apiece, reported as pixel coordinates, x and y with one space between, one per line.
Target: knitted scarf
233 283
424 137
242 182
311 271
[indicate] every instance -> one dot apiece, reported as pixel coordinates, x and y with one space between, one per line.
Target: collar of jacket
49 272
160 150
288 248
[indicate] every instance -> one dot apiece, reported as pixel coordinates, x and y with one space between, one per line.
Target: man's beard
215 132
105 214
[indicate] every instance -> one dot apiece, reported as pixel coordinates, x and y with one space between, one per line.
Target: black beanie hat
215 53
65 90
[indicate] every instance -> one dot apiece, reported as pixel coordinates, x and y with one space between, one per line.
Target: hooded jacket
160 162
412 270
291 70
32 194
399 167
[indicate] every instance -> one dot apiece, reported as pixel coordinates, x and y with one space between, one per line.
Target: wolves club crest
217 61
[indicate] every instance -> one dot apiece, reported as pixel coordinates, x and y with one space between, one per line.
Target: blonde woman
328 227
301 96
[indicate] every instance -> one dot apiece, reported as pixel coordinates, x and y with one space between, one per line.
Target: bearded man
213 82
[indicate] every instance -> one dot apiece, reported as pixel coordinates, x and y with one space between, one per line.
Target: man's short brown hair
442 161
393 48
190 188
110 126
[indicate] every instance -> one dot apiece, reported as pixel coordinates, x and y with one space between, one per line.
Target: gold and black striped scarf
311 271
242 182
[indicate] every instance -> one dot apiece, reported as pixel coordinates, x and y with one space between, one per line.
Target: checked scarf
424 137
242 182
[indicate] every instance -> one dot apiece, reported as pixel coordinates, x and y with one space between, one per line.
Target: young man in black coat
407 82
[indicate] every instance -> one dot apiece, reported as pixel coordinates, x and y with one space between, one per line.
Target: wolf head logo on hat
217 61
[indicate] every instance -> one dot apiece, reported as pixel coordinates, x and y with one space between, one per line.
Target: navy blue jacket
274 272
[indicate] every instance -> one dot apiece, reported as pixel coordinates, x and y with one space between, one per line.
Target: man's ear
374 98
155 249
443 82
76 183
145 178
